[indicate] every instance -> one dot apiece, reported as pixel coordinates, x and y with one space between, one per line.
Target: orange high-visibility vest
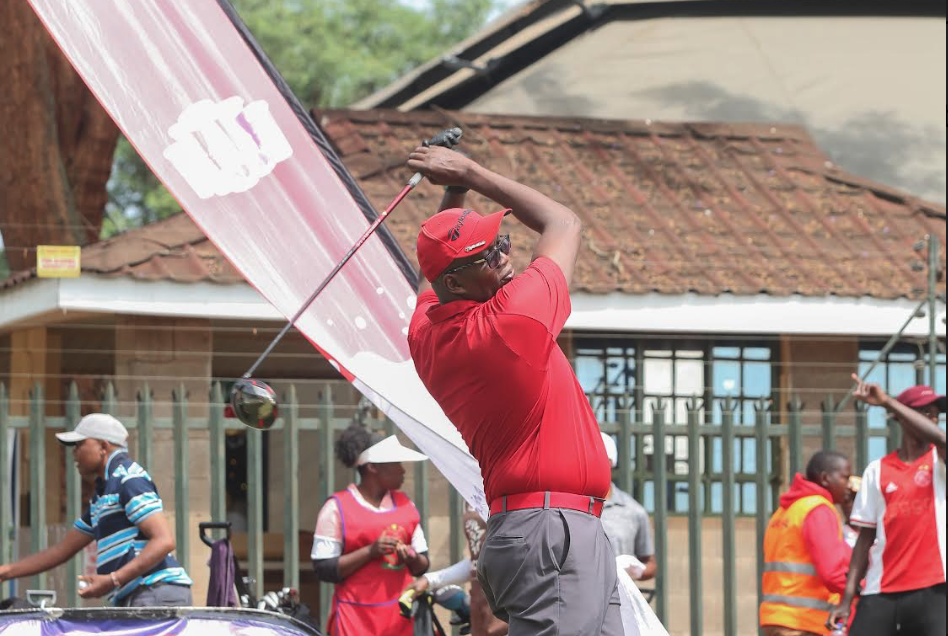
794 596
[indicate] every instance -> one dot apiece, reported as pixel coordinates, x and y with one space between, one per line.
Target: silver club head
254 403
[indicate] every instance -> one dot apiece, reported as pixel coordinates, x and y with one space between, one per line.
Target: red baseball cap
454 233
917 397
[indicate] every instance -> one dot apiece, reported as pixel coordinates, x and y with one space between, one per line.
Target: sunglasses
492 258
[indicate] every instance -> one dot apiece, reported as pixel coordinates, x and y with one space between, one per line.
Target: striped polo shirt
125 498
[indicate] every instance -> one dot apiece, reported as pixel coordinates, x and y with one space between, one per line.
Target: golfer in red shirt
484 343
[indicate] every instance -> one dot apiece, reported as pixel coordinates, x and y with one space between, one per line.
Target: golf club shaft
415 180
446 138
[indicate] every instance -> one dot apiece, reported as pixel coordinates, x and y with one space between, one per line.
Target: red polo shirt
497 372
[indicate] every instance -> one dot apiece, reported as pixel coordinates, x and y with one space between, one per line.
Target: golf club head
254 403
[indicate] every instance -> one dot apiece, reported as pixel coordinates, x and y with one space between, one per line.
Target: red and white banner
191 96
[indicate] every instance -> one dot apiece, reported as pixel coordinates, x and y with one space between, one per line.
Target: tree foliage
331 53
57 144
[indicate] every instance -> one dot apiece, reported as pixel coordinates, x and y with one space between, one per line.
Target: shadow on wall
872 144
552 98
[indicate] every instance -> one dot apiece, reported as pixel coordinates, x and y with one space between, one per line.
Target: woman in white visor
368 538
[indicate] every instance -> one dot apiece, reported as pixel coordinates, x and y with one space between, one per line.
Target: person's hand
385 544
838 615
405 552
441 166
98 586
4 573
419 585
633 566
869 392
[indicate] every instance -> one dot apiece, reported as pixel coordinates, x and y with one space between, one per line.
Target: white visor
388 451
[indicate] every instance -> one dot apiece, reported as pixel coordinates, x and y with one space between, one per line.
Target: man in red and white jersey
900 513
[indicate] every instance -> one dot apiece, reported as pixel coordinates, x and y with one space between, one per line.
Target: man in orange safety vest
805 556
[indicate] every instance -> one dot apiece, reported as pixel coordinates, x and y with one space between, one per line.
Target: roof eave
45 301
35 301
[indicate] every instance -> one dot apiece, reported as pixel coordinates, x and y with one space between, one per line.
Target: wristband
115 581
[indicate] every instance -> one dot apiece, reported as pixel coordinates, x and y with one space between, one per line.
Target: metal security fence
778 450
144 425
711 467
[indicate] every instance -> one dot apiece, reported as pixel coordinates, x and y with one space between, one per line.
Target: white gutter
660 313
132 297
763 314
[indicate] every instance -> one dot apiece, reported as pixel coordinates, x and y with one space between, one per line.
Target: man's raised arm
559 228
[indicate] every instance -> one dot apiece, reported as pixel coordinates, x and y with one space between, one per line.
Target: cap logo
455 232
475 246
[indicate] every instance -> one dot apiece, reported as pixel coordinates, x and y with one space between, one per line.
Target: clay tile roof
173 249
668 207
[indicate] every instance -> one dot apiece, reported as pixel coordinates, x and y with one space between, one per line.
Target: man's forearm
349 563
535 210
70 545
36 563
918 424
858 564
150 556
451 199
651 568
418 565
456 574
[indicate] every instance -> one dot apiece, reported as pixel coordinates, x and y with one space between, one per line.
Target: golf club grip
448 138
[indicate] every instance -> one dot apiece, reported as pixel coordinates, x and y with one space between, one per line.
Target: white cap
387 451
612 452
96 426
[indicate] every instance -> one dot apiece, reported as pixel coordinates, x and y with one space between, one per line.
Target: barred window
615 372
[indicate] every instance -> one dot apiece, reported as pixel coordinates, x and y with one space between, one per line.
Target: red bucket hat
918 397
454 233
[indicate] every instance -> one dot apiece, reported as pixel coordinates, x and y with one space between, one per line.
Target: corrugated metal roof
668 208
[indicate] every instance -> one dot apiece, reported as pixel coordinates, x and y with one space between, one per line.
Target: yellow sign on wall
57 261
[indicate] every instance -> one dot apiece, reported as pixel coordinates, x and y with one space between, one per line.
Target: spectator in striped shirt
134 566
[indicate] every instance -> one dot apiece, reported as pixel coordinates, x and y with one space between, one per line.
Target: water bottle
839 630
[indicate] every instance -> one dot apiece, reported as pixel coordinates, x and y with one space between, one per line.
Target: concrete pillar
35 358
167 353
27 366
821 367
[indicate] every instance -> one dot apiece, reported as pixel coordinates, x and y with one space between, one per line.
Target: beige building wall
812 369
712 577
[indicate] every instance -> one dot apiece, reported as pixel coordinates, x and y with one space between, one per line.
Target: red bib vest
367 601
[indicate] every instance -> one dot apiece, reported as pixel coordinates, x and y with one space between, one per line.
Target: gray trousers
550 572
160 595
